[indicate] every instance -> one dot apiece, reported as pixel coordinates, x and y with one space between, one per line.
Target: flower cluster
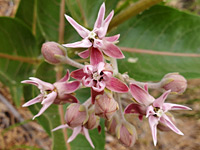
108 88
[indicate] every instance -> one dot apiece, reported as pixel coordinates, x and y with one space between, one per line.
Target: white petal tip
24 105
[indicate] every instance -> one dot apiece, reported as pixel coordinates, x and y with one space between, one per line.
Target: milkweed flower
57 93
98 77
96 38
155 109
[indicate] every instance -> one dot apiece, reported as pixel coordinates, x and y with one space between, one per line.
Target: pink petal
46 104
49 98
99 86
159 101
165 120
33 101
78 74
96 56
150 111
112 50
136 109
86 133
88 82
146 88
94 94
100 17
71 87
76 131
65 78
60 127
153 122
80 44
67 98
100 67
170 106
106 23
84 54
83 32
112 38
116 85
140 95
107 75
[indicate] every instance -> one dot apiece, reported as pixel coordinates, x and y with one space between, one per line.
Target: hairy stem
62 22
151 85
71 62
132 10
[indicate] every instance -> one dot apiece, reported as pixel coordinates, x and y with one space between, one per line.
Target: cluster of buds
107 91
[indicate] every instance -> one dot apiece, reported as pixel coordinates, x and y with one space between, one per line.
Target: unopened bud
126 133
111 125
51 50
93 120
105 106
76 115
174 82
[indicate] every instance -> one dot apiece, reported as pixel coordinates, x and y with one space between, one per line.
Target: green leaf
49 18
160 29
17 42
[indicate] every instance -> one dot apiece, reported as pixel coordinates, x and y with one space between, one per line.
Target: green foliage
161 29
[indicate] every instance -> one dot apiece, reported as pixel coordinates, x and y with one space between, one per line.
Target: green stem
132 10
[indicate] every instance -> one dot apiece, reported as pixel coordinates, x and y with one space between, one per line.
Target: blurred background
18 131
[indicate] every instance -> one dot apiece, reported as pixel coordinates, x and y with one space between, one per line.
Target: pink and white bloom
57 93
96 38
76 131
156 109
98 77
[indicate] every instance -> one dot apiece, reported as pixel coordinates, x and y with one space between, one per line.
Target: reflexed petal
96 56
112 38
87 136
83 32
153 122
49 98
136 109
170 106
67 98
112 50
78 74
106 23
165 120
44 107
33 101
94 94
65 78
70 87
140 95
159 101
84 54
99 86
100 17
60 127
116 85
76 131
80 44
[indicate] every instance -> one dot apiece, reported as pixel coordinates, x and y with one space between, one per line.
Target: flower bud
50 50
105 106
93 120
126 133
111 125
174 82
76 115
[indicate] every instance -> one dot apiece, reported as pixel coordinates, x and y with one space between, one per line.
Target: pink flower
96 38
57 93
76 131
98 77
156 109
